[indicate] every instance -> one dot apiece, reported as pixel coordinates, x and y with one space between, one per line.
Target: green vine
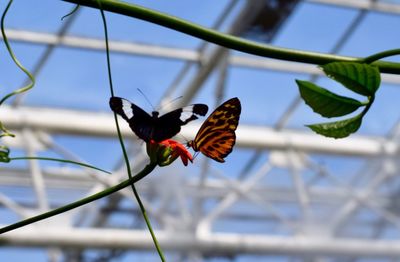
57 160
32 83
75 9
227 40
5 151
375 57
3 129
126 159
147 170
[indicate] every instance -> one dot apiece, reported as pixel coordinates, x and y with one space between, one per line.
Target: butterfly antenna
145 97
170 102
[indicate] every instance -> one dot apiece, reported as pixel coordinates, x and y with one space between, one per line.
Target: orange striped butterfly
216 136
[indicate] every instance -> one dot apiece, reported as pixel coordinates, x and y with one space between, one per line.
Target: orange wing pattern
216 136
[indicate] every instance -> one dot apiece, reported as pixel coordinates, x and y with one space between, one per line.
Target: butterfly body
216 137
155 127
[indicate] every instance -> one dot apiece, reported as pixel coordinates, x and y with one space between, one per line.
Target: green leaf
363 79
326 103
338 129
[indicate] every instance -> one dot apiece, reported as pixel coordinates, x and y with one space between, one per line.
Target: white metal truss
337 218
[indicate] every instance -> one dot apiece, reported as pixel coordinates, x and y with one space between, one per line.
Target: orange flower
167 151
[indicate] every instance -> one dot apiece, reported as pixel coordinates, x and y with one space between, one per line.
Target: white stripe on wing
187 112
127 108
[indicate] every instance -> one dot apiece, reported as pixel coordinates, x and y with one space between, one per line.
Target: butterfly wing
153 127
219 145
169 125
216 136
139 121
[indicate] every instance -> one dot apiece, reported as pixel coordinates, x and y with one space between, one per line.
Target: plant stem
3 33
59 160
82 201
380 55
226 40
128 167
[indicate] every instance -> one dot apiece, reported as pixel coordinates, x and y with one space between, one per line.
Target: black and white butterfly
152 127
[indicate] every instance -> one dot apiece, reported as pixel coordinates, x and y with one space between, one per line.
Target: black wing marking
126 109
139 121
169 125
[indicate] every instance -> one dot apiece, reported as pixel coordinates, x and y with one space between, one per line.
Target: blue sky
77 78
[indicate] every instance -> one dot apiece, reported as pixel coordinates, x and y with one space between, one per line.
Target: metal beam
72 179
132 48
213 244
98 44
379 6
291 67
245 17
102 124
